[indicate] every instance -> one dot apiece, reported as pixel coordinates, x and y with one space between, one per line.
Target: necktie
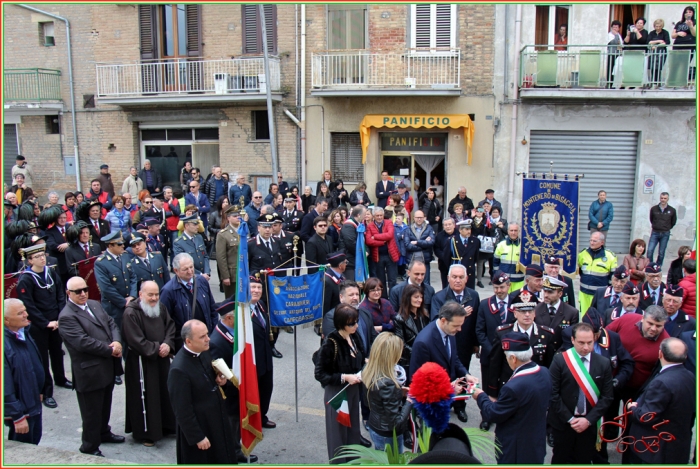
552 310
87 310
87 250
653 296
447 346
97 226
119 259
145 261
581 404
63 232
189 286
614 299
502 311
268 246
458 298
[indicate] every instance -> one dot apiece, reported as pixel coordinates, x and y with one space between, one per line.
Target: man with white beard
149 334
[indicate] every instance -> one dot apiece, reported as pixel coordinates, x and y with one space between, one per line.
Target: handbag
487 243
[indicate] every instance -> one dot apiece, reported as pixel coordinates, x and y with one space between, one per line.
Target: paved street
292 442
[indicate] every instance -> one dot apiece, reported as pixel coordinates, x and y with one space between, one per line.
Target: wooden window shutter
147 32
193 18
252 31
443 25
422 25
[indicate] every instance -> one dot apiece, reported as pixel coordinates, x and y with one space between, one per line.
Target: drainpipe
514 118
71 86
292 117
303 97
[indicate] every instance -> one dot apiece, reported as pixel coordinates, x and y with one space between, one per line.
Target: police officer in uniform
534 277
115 277
227 242
155 241
286 243
541 340
463 248
192 243
291 216
147 265
596 265
653 289
552 267
264 253
628 303
553 312
609 297
678 322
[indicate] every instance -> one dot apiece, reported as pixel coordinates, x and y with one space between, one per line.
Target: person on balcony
658 39
614 48
637 37
683 35
562 38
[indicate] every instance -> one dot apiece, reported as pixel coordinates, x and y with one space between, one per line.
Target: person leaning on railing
684 34
658 39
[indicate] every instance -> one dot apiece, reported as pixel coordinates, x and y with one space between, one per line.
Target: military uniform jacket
286 243
612 314
331 292
292 220
541 342
227 242
457 253
155 243
569 296
564 316
194 247
537 296
156 270
681 324
645 298
262 258
488 319
603 299
116 280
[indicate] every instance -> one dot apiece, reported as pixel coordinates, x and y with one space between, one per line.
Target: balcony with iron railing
187 80
31 85
362 72
606 72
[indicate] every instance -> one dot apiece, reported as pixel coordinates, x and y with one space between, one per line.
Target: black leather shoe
479 284
242 459
269 424
118 380
462 416
276 353
50 402
112 438
484 425
97 452
67 385
365 442
550 440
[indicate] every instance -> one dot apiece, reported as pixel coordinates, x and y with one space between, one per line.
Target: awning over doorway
416 121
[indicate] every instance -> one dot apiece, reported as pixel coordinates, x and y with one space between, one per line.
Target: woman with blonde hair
388 413
189 210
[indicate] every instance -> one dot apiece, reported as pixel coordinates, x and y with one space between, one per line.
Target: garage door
9 151
609 162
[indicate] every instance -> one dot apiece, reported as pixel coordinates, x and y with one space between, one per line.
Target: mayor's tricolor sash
585 382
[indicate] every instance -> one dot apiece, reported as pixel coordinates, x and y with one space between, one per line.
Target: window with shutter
346 157
433 25
346 26
252 29
147 27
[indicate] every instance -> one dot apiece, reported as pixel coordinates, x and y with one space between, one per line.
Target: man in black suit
291 217
263 250
93 342
463 248
99 228
81 247
384 189
553 312
576 408
437 343
332 278
56 242
307 223
263 348
493 313
552 267
670 399
609 297
465 337
629 299
319 246
416 276
221 346
652 290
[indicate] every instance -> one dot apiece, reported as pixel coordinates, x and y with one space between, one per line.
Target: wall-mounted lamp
524 141
111 147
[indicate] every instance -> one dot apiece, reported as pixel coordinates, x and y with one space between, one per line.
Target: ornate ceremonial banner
295 300
10 285
550 221
86 269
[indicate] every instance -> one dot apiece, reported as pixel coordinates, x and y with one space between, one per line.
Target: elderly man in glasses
92 338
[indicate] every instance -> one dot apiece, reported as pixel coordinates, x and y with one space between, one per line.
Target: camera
631 28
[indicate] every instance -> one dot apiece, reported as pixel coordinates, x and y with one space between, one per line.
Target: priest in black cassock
149 333
204 433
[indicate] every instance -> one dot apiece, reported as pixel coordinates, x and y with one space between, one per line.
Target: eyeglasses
80 291
192 187
118 244
351 324
147 201
279 177
258 197
377 290
321 226
39 254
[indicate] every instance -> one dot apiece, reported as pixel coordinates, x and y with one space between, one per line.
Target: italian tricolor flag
340 404
585 382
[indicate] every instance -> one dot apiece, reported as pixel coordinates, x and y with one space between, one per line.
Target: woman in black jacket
359 195
341 357
675 272
410 320
388 413
431 209
340 195
308 200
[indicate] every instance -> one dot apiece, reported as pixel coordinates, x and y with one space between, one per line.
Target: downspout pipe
303 97
514 117
71 86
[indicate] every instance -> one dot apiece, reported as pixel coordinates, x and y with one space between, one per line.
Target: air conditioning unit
410 83
221 81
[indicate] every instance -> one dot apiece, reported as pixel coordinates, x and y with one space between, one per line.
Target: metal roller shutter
592 154
9 151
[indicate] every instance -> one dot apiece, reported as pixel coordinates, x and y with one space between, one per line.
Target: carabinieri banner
550 221
295 300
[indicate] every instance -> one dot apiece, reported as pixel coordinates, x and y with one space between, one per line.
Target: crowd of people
157 327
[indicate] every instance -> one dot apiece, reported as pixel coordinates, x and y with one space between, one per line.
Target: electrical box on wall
69 165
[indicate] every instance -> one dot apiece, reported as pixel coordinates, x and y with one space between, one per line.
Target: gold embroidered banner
416 121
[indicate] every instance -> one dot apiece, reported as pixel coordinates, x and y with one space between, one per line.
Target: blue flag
243 295
361 268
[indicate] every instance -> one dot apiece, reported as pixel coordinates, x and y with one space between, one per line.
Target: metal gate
609 162
10 151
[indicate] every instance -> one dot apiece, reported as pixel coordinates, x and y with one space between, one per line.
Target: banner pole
296 377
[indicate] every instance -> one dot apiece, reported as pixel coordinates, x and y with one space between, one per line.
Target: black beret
534 270
630 289
499 278
515 342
